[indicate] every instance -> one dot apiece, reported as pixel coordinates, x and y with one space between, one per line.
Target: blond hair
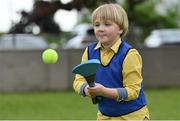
114 13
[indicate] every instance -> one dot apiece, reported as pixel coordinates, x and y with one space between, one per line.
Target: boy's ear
120 31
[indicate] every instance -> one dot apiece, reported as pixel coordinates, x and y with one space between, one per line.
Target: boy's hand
86 91
98 90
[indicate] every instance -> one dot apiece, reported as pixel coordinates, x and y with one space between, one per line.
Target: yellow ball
49 56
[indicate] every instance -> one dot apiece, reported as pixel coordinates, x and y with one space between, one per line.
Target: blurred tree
41 17
144 18
142 14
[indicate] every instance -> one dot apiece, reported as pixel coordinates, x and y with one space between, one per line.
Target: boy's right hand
97 90
97 98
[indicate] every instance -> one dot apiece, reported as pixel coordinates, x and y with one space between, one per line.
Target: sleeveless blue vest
111 76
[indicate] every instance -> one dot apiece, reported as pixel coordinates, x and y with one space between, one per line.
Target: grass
45 105
162 103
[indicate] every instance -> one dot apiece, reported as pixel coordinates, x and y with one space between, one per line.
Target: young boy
119 78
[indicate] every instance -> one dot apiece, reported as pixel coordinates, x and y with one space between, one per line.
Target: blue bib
111 76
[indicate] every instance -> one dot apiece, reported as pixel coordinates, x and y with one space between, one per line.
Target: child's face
107 32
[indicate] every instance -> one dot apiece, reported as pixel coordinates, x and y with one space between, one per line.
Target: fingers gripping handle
91 83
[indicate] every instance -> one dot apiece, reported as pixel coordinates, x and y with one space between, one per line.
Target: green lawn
163 104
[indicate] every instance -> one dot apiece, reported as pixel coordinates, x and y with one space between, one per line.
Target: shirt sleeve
132 74
79 82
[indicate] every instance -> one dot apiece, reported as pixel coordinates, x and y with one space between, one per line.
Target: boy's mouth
102 35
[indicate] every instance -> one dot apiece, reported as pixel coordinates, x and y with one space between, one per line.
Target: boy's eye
96 25
107 24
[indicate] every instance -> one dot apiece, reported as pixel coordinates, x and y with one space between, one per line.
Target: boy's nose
101 28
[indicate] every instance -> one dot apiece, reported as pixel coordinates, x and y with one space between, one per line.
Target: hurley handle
91 83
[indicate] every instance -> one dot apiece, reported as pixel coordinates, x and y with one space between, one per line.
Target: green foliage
145 14
171 20
52 38
144 17
147 18
1 34
85 16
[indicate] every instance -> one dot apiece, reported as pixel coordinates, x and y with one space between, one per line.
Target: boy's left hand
98 90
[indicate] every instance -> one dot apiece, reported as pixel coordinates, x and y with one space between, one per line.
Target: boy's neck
108 46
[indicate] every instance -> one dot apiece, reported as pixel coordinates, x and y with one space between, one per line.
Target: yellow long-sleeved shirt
132 76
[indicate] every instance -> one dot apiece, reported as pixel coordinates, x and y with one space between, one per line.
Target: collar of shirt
114 47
